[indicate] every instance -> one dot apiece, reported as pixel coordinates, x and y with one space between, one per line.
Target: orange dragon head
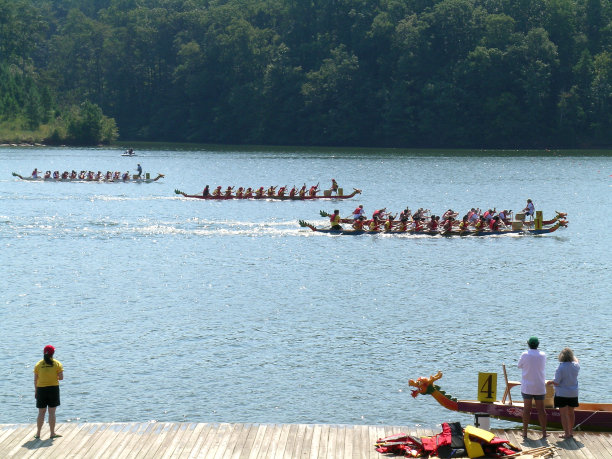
424 385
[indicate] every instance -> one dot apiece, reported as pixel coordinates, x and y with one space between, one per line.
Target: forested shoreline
386 73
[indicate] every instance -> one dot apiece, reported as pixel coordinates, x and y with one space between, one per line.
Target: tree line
389 73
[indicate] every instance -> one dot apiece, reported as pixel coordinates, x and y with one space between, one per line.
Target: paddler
35 173
313 190
292 192
465 223
248 193
334 186
335 220
260 192
358 213
379 213
228 191
433 223
480 224
503 216
206 191
303 191
448 224
281 191
389 223
358 223
403 224
416 226
239 192
494 223
271 191
217 192
374 224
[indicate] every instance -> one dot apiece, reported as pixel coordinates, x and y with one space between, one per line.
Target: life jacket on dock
480 443
448 443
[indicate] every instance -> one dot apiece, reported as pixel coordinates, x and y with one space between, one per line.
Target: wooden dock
247 441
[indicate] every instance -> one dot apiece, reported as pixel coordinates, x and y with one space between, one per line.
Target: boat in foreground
273 198
589 416
355 232
131 179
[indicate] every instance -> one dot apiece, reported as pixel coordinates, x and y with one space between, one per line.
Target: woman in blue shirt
566 389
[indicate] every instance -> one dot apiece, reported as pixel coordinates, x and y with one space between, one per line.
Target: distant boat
128 152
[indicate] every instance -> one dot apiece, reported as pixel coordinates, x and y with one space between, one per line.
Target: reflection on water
173 309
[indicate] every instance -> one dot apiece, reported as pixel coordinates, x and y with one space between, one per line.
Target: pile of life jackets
453 441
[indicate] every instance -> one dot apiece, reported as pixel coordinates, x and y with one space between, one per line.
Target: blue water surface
173 309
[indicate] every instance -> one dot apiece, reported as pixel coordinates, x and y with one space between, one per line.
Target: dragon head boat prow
424 385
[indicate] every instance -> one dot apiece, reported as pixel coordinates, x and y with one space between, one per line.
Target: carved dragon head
424 385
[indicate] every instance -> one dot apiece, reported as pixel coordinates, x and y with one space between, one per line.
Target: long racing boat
589 416
268 197
356 232
131 179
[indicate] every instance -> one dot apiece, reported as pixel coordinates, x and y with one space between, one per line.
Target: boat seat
509 385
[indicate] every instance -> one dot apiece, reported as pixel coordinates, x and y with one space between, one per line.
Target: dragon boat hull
589 416
354 232
78 180
271 198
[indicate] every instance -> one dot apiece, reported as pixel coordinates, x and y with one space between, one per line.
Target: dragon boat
589 416
273 197
558 216
355 232
132 179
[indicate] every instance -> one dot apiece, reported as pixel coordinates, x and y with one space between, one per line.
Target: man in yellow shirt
48 372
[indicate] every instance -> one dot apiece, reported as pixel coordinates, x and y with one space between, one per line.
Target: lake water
170 309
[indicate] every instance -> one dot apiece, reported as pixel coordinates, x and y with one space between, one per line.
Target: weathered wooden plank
241 440
293 437
103 442
23 434
253 451
281 444
152 441
189 441
123 436
228 441
177 441
316 440
130 448
200 441
306 442
218 439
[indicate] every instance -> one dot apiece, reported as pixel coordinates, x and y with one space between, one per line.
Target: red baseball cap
49 350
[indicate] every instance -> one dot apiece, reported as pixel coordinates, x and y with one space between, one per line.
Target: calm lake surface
170 309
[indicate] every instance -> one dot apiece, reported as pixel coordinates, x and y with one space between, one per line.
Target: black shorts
562 402
48 396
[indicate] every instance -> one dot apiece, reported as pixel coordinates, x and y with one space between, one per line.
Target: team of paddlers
87 175
262 192
423 220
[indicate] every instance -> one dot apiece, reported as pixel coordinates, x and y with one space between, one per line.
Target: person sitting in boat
374 224
313 190
109 175
271 191
529 210
206 191
303 191
139 170
56 175
402 227
281 191
125 176
35 173
379 213
217 192
448 224
417 225
335 220
480 224
358 223
389 222
465 223
488 215
240 192
248 193
334 186
504 217
47 174
293 192
494 224
260 192
116 175
449 213
433 224
65 175
358 213
98 175
407 213
228 192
